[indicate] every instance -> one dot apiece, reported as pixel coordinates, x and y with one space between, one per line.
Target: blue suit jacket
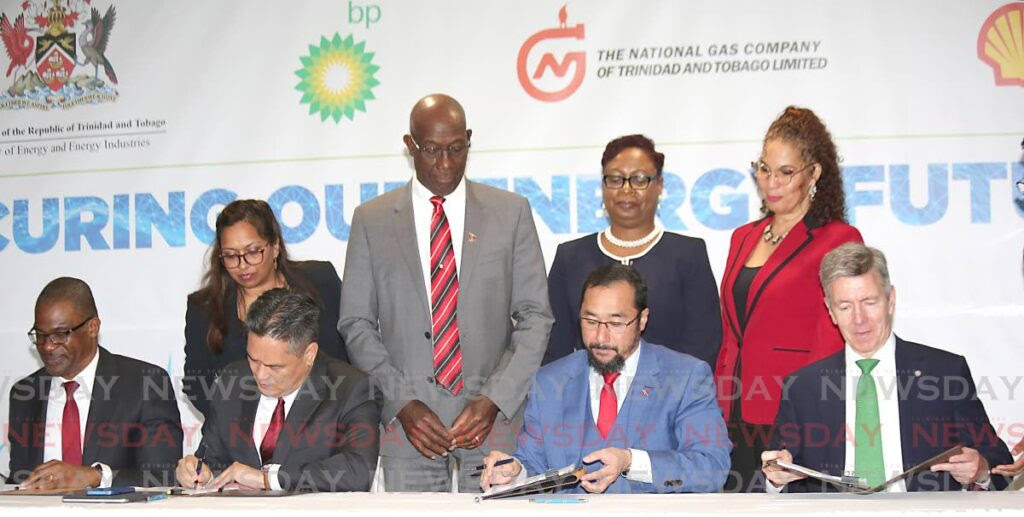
939 409
670 411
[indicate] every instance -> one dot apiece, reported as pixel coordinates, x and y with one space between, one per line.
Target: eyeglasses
614 327
638 182
456 150
59 337
253 257
783 175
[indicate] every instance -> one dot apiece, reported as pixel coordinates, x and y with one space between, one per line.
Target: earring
814 190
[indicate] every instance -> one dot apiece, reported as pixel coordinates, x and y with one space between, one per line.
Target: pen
559 500
498 463
201 454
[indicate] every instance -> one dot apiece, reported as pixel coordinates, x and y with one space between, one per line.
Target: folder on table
547 481
859 486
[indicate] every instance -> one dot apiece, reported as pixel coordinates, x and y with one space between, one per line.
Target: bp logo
336 78
46 44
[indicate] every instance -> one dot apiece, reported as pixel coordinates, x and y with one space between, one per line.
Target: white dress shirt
264 413
57 397
886 385
640 467
423 211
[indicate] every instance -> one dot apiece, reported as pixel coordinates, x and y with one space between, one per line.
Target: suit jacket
681 293
202 365
787 324
503 311
329 441
939 409
133 424
669 411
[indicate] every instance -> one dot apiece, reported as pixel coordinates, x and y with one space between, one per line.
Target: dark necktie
71 428
273 430
609 405
444 298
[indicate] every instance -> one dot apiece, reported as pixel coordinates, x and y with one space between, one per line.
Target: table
1008 503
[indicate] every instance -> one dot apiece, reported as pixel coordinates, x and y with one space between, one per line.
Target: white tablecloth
459 504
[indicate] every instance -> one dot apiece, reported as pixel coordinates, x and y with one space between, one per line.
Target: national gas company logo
1001 44
539 84
46 42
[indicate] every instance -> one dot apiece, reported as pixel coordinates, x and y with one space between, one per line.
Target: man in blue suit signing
642 417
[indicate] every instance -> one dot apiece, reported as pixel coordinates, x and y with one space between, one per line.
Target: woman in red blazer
773 311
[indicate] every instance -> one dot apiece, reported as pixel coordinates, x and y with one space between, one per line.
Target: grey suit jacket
503 310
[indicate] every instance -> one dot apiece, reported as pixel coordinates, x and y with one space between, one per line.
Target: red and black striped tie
444 298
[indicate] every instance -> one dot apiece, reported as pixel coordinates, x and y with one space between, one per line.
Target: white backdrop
118 184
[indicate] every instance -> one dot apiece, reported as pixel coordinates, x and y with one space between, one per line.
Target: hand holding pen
499 469
192 471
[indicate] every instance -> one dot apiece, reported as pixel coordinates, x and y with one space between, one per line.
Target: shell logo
1001 44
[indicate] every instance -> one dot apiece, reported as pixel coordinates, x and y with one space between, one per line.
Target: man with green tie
882 404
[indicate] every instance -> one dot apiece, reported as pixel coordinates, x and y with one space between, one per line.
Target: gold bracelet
266 479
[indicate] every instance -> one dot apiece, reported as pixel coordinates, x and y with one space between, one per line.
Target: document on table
549 480
857 485
229 491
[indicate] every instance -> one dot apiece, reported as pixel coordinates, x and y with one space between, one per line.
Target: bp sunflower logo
337 78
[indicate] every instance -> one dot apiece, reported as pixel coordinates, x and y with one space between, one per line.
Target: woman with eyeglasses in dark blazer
247 258
682 294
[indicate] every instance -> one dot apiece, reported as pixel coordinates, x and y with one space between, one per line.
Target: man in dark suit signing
882 405
291 418
89 418
445 304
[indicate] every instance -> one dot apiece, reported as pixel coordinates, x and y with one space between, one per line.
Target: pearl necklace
635 243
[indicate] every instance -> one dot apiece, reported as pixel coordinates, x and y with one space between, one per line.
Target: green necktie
868 446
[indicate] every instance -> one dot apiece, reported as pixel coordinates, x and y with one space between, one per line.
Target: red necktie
71 428
269 442
444 298
609 405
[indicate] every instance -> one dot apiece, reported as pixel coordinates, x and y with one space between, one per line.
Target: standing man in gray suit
445 304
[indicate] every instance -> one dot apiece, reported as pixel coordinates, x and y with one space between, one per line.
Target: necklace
243 305
635 243
771 238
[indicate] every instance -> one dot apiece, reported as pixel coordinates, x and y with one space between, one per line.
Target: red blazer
787 324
